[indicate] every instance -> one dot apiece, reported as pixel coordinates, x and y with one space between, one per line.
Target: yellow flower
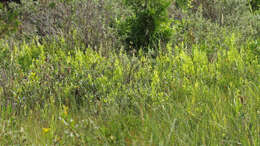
45 130
65 110
112 137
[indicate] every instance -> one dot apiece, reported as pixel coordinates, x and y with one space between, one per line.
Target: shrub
148 26
210 32
8 20
87 20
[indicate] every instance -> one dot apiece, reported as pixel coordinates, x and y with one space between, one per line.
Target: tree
148 26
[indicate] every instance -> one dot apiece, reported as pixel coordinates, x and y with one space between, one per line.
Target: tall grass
66 77
52 95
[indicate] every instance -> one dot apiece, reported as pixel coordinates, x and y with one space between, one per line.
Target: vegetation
97 72
148 26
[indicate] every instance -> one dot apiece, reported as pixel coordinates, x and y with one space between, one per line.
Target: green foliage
29 54
184 4
148 26
81 97
254 4
8 20
63 80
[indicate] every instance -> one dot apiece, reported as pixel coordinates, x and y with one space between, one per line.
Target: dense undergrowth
72 80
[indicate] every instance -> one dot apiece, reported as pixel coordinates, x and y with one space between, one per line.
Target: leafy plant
254 5
184 4
148 26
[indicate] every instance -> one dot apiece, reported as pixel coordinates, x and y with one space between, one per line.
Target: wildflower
45 130
112 137
22 130
65 110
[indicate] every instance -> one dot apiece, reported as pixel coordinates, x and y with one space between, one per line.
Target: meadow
162 72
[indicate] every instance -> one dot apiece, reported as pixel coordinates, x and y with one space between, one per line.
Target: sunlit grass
85 98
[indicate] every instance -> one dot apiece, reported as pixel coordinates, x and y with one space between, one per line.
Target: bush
87 20
148 26
8 20
197 26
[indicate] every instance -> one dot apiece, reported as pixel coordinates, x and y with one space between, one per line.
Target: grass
66 77
60 97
